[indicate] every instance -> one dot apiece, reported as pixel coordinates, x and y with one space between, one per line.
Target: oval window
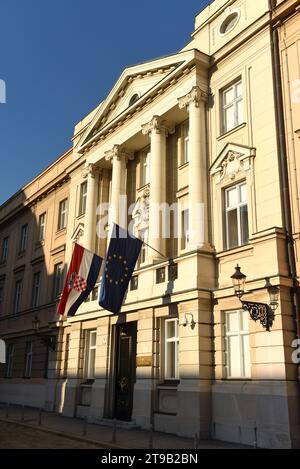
133 99
229 22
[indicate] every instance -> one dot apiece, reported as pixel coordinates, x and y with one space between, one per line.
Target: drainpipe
283 169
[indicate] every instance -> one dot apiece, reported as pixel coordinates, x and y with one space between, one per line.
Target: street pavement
24 428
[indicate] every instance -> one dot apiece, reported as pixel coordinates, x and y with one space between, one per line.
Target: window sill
88 383
237 250
61 232
21 254
183 166
144 187
232 131
79 217
169 384
3 263
39 244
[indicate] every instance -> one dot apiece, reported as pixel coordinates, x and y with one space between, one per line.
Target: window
62 214
161 275
28 360
145 168
133 99
66 359
82 198
18 294
237 344
58 279
95 294
237 229
4 249
232 106
184 229
143 234
23 239
36 289
1 298
134 283
9 361
185 139
91 354
229 23
42 226
171 349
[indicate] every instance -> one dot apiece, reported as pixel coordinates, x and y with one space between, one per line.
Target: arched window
133 99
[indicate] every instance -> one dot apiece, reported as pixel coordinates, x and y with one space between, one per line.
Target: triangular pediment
232 159
78 233
135 82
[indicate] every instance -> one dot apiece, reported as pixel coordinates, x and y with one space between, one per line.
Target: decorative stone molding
90 170
158 126
195 96
78 233
233 160
117 152
140 212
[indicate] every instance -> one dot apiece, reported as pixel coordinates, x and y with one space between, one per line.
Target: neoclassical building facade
186 150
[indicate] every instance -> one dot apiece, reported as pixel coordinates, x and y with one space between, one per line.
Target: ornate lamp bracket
260 312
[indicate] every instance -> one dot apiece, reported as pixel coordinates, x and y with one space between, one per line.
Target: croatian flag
82 276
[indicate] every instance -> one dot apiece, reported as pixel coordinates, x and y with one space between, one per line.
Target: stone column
158 131
198 209
118 204
90 173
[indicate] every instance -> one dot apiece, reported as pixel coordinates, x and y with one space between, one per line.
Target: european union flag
122 254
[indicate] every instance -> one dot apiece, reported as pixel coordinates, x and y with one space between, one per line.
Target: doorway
125 370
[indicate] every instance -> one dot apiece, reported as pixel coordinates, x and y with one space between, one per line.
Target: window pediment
232 160
78 233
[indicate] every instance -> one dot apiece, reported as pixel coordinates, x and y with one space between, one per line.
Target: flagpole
158 252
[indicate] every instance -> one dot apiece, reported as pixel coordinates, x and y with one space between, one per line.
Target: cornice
145 101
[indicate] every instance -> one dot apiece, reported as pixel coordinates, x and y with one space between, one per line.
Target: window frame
57 280
4 249
23 238
28 360
88 355
62 215
35 298
42 227
185 143
9 361
174 340
185 226
145 167
240 333
18 296
234 103
144 236
82 198
238 209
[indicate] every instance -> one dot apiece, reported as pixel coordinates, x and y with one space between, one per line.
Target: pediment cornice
171 69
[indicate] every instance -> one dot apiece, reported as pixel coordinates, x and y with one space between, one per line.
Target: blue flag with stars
122 254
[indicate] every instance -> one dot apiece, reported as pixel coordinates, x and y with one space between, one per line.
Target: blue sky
60 58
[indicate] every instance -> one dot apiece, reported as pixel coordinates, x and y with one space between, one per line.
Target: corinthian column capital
90 170
195 96
158 126
119 153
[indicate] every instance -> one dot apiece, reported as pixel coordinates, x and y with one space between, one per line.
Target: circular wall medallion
230 22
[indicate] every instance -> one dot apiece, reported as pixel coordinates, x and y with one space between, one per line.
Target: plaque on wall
144 360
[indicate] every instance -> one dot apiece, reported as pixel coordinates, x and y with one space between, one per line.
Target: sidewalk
101 435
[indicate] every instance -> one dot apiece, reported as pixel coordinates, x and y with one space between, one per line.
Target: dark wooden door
125 370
